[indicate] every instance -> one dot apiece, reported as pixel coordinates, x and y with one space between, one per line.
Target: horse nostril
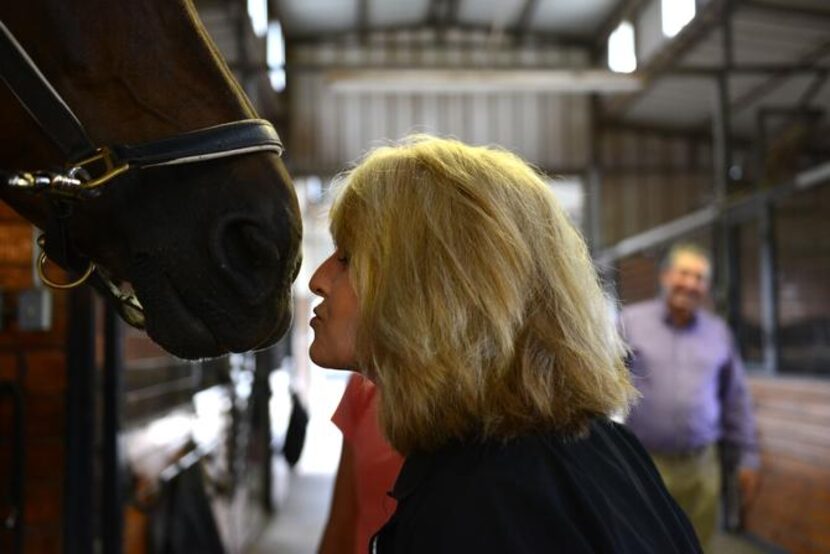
246 255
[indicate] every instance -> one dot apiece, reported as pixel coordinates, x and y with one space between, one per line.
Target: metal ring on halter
41 263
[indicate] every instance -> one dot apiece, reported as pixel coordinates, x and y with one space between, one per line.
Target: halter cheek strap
41 100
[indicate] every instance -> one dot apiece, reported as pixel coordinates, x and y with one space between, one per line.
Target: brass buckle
103 156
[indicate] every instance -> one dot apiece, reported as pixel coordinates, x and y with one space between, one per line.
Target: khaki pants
694 481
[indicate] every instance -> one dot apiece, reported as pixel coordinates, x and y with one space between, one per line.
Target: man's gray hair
684 248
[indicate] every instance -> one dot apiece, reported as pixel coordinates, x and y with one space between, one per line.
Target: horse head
210 248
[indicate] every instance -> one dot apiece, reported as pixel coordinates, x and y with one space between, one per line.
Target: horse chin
282 326
182 331
173 326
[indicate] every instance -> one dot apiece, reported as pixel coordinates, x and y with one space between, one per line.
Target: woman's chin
327 361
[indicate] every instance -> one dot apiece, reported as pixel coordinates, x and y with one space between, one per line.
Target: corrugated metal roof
760 37
778 34
814 4
675 102
786 95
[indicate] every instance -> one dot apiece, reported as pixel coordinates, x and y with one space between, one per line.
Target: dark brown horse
210 248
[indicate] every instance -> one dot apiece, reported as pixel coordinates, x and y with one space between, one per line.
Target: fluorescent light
480 80
275 56
258 12
622 57
275 45
277 78
676 14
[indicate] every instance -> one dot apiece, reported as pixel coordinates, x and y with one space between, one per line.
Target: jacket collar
414 472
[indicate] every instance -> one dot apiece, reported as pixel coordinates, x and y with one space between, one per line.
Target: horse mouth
192 329
171 323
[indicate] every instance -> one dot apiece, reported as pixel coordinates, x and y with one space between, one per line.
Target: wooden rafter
525 18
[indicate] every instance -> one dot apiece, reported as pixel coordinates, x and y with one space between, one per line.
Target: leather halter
89 168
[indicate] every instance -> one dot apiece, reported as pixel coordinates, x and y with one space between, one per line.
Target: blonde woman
460 288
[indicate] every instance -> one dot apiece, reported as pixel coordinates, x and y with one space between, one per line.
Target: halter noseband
90 168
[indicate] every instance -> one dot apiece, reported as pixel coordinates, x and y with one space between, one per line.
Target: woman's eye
342 258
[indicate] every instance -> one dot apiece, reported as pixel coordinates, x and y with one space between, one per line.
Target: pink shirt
376 464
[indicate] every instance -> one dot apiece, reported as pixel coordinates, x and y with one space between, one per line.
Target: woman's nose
318 280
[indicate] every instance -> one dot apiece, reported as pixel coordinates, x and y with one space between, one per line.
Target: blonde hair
481 314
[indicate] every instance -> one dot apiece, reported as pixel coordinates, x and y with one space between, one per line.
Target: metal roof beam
663 63
453 7
779 77
664 131
443 14
814 88
446 17
537 38
781 9
672 230
275 10
747 69
525 18
362 18
435 12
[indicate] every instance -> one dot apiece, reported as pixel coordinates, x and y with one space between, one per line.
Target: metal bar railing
14 519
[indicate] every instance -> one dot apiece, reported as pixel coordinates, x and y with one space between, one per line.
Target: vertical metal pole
243 55
593 185
722 157
112 500
78 532
767 260
266 362
726 290
761 147
769 291
721 131
17 486
723 117
734 317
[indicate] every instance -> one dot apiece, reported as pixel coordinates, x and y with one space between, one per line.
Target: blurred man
687 367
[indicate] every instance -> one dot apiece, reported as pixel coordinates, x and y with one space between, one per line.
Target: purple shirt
692 383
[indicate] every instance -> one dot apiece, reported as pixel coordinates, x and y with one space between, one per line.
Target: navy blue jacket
537 493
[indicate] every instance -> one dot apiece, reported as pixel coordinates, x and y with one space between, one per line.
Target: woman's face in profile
336 317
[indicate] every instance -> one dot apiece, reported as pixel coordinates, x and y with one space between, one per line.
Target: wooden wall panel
650 177
803 260
793 505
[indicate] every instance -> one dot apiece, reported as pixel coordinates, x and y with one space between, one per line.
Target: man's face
686 282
